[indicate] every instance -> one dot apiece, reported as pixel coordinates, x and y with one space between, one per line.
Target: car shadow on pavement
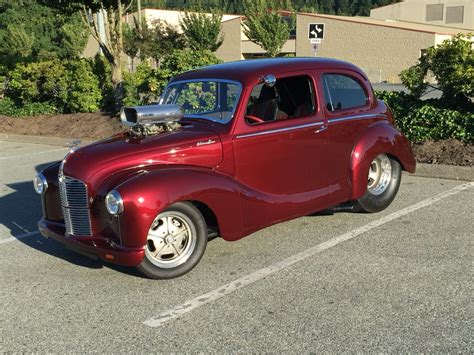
20 210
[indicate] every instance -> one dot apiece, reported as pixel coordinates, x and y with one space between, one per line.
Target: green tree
31 31
159 40
265 26
326 6
112 12
452 65
362 7
202 30
153 41
131 42
72 37
83 94
16 42
177 62
343 7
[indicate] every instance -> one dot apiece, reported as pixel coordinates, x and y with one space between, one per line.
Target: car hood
120 154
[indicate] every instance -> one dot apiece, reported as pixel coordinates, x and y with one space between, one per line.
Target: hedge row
426 120
84 86
55 86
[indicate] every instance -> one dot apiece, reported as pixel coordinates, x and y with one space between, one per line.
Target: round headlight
114 203
40 183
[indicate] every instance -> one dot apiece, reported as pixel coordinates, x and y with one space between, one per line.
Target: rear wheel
383 182
176 242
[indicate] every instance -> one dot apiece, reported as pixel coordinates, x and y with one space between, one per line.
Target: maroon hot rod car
229 149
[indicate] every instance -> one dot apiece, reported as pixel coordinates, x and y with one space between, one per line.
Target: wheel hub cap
171 240
380 175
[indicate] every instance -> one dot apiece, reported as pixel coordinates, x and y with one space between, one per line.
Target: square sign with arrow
316 31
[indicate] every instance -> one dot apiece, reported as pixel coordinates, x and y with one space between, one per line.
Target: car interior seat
266 106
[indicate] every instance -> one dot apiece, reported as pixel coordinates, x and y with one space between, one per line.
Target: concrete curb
56 141
438 171
450 172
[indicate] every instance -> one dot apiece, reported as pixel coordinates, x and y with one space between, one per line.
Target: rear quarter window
343 92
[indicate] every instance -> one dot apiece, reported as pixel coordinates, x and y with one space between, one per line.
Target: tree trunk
112 46
117 82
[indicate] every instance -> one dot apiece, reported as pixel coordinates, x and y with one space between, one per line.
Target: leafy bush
136 86
9 108
177 62
84 94
68 86
428 120
38 82
452 64
103 71
181 60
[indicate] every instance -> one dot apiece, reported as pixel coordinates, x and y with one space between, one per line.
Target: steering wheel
254 119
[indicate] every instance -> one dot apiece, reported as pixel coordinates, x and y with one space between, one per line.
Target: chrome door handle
323 128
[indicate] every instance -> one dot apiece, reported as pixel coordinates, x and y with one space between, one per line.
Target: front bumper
93 247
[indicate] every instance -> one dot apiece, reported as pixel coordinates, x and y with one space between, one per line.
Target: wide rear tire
383 181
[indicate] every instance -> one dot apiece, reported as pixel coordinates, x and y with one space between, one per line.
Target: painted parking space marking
15 238
34 153
257 275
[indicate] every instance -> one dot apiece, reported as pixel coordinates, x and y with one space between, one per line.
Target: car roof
245 70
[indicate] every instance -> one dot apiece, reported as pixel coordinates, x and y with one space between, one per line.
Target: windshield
213 100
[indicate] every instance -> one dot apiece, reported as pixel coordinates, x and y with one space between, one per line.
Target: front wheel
383 182
176 241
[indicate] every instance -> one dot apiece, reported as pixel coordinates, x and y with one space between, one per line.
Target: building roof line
182 11
233 19
392 4
364 22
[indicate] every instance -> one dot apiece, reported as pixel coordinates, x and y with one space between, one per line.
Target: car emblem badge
209 141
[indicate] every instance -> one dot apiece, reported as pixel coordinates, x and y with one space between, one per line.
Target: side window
342 92
290 97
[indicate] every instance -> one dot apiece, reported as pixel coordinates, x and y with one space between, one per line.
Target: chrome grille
75 206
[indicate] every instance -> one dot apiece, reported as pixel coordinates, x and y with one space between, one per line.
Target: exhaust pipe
150 114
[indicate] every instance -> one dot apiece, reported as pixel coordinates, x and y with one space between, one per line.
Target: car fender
379 138
146 194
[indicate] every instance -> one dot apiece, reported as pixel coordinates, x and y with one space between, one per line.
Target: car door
281 159
347 104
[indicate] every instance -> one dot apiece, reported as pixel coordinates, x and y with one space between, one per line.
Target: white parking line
15 238
255 276
35 153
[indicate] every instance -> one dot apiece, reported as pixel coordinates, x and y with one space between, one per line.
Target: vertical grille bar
75 206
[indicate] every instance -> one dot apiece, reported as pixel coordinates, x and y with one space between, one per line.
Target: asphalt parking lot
399 280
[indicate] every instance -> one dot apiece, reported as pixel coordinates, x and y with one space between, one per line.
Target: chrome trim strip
356 117
278 130
75 206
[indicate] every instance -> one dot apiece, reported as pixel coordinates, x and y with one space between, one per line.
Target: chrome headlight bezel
114 203
40 184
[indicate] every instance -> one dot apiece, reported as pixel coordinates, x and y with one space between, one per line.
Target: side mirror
269 80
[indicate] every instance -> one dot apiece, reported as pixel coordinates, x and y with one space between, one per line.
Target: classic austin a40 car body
230 149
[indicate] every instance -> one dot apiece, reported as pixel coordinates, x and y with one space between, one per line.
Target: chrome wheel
171 240
380 175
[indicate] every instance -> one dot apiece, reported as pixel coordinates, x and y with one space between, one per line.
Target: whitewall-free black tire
383 181
176 242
